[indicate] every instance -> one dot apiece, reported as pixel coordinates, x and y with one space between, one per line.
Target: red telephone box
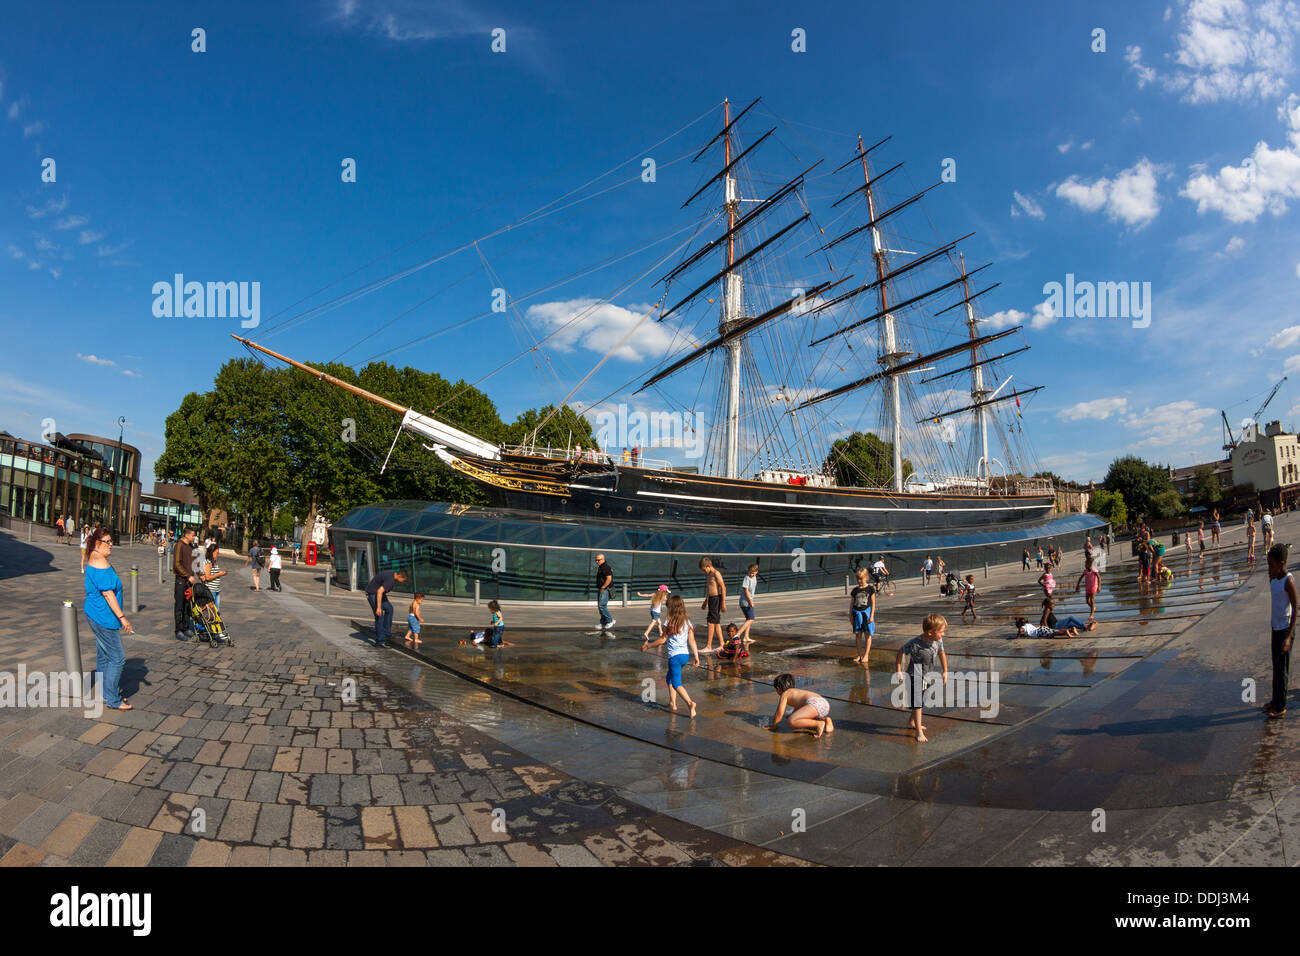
311 552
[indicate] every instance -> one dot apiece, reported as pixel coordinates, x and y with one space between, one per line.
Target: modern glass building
524 556
96 480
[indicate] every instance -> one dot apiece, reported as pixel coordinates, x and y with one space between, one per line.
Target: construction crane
1230 441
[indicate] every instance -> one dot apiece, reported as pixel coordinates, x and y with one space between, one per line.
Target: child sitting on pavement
809 711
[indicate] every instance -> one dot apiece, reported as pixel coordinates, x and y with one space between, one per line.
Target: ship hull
559 487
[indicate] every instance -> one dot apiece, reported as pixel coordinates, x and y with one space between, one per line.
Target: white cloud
1131 197
598 326
17 253
71 222
1227 50
1292 364
1264 182
1177 426
1064 147
1099 409
33 264
55 206
33 129
1040 318
105 251
45 244
402 20
88 237
1088 145
95 359
1285 339
1235 245
130 374
15 107
1027 205
55 272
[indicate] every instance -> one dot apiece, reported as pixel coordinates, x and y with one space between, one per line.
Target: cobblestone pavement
251 755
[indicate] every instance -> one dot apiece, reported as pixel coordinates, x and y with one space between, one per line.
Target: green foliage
265 439
1109 505
1167 504
1141 484
864 460
564 429
1206 489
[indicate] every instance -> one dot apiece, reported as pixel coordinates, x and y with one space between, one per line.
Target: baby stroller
205 617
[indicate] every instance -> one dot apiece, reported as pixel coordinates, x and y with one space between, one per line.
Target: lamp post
116 471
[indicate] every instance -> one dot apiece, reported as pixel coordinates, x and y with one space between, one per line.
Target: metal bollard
328 574
135 590
476 586
71 647
625 595
986 570
846 584
160 557
30 525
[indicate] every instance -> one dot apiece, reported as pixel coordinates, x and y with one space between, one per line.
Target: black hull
631 494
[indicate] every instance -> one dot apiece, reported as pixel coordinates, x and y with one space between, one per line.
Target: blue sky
1122 165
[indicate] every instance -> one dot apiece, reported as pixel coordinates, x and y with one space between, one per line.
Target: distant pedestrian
103 607
1040 559
862 612
1024 560
1267 523
636 454
1046 581
275 563
604 588
1214 527
85 533
1200 537
1284 599
256 558
58 530
1250 537
939 566
182 577
880 576
626 456
377 591
926 570
679 636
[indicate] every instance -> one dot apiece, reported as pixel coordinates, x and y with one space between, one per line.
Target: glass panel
478 529
403 522
432 568
571 575
565 535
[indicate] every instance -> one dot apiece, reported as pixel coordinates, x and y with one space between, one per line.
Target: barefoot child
715 601
679 637
1047 582
808 711
414 620
747 588
862 611
1091 582
971 595
492 637
657 600
920 654
1285 600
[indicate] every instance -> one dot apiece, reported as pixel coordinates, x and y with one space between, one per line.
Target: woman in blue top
104 610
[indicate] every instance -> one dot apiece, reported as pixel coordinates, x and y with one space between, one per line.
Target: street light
116 470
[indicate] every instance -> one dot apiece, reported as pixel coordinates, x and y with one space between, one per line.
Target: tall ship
853 383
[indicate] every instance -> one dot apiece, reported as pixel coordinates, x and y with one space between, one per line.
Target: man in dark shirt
377 591
604 585
183 577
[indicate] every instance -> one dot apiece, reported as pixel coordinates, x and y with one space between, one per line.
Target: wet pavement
1130 744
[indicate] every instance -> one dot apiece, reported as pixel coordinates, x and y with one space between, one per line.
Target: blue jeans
383 622
1065 623
602 600
109 660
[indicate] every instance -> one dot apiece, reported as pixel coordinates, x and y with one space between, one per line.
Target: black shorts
714 604
748 611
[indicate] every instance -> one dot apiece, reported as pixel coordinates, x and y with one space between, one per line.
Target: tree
1051 476
864 460
1109 505
193 451
564 429
1206 490
1139 483
1166 504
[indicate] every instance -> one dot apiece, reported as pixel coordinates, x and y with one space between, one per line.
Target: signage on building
1253 456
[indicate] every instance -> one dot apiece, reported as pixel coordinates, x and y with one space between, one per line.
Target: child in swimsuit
809 711
413 619
1091 581
658 600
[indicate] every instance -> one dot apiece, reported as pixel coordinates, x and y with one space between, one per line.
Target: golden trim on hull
512 484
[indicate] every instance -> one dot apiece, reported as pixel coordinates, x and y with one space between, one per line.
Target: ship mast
889 351
977 390
732 299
